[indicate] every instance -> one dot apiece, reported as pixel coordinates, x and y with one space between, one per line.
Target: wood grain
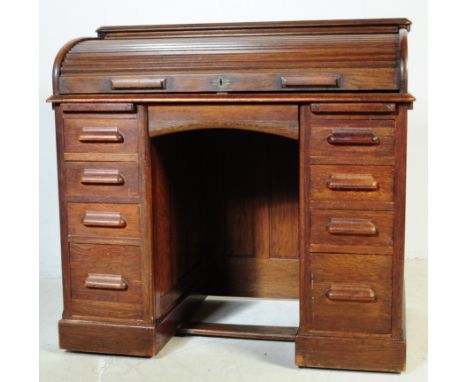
372 354
351 183
372 231
382 132
102 181
103 135
108 338
186 169
124 263
105 220
257 332
279 120
367 311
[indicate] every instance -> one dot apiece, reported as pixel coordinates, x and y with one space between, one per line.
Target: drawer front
101 179
106 280
351 183
103 220
100 135
342 79
344 231
274 119
356 139
349 293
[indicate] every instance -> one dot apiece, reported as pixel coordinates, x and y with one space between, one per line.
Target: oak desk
251 159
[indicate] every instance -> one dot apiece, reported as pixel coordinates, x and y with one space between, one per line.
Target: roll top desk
250 159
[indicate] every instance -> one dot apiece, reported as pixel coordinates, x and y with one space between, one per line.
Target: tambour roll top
250 57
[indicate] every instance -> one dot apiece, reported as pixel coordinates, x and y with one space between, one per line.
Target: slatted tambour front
206 63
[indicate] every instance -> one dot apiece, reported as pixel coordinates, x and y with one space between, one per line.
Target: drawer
100 134
280 81
102 179
343 231
103 220
359 141
274 119
349 293
106 280
351 183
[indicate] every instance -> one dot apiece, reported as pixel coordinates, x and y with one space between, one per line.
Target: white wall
61 21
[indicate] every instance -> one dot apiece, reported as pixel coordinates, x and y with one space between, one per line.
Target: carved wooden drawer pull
104 219
351 226
102 281
350 292
353 137
102 176
309 81
142 83
100 135
352 182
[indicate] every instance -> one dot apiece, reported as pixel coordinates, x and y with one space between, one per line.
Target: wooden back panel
230 202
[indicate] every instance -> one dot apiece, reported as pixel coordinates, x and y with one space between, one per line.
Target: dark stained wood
370 62
310 81
259 278
253 97
283 200
404 60
352 231
124 262
331 108
101 107
99 134
102 181
372 354
351 226
399 231
344 182
243 159
246 188
107 31
351 183
350 137
351 292
378 136
254 332
332 274
93 219
138 83
105 281
273 119
58 62
137 340
102 176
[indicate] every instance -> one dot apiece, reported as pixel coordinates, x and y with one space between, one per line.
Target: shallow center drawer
282 120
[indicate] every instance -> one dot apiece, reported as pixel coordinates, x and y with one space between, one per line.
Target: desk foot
108 338
372 354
